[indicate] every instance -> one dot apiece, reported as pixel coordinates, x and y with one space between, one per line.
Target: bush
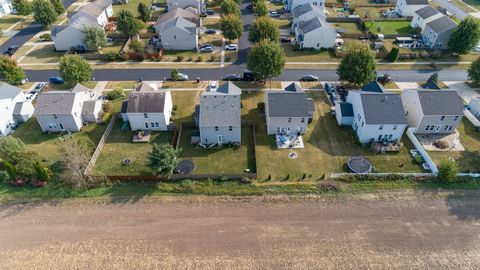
175 107
447 171
200 59
107 107
180 58
125 57
112 56
116 93
140 57
46 36
441 144
418 159
4 178
261 106
136 46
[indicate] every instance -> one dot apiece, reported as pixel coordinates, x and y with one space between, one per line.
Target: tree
174 75
228 7
163 159
143 11
94 37
44 12
10 72
41 171
231 26
76 156
136 46
25 167
465 37
393 55
58 6
474 72
266 58
127 24
23 7
447 171
263 28
12 149
261 9
358 66
434 77
10 169
75 69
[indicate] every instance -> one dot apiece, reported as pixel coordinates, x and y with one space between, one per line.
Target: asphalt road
243 43
391 231
452 8
28 32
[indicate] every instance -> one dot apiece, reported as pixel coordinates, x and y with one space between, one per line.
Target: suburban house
375 117
148 109
219 115
195 6
437 32
407 8
474 105
433 111
5 7
315 33
71 35
290 5
424 16
178 33
288 111
98 11
14 108
67 111
175 13
306 12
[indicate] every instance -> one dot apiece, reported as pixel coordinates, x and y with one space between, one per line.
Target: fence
421 150
471 118
101 143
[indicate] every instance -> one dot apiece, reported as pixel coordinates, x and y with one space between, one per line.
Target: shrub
125 57
140 57
46 36
175 107
441 144
228 59
112 56
261 106
180 58
200 59
107 107
212 58
4 177
136 46
116 93
10 169
447 171
393 55
418 159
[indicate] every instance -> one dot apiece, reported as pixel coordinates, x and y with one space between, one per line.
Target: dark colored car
11 50
285 40
211 31
56 80
249 75
309 78
210 12
250 6
232 77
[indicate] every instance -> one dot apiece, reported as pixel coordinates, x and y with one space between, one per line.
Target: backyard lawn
327 147
349 28
305 56
131 6
468 160
390 27
213 23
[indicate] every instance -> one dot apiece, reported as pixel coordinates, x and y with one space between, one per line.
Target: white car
231 47
183 77
212 86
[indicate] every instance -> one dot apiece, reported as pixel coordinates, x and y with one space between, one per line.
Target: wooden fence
101 143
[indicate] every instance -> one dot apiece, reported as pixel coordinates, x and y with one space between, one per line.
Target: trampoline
185 167
359 165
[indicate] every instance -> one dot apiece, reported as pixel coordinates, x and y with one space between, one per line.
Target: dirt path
420 231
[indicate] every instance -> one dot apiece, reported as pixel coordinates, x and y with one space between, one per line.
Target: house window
152 125
157 125
442 118
380 127
450 127
145 115
363 123
406 114
318 45
432 127
427 127
55 116
174 36
390 137
278 129
146 125
216 128
395 127
289 120
230 128
446 127
303 120
456 118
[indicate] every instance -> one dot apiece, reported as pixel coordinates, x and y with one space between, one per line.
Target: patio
431 141
289 141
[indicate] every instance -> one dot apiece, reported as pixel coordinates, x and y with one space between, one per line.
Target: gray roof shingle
180 23
293 87
305 8
221 108
427 12
178 12
146 102
417 2
89 107
444 102
442 24
58 102
8 91
287 104
382 108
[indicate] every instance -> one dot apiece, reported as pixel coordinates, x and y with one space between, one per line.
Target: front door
220 139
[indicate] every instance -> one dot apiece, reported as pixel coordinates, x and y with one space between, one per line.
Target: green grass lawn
115 47
43 54
468 160
349 28
327 147
213 23
126 85
282 23
305 56
131 6
390 27
8 21
184 84
221 159
48 145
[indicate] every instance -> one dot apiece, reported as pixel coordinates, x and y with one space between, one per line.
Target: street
374 231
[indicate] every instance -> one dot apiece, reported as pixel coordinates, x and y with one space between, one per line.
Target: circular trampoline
359 165
185 167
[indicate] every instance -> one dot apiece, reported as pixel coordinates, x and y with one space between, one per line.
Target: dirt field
401 231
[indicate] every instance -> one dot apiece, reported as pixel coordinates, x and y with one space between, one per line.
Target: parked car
102 97
56 80
210 12
285 40
250 6
212 86
329 88
309 78
11 50
206 49
182 77
232 77
249 75
210 31
206 45
38 88
231 47
274 14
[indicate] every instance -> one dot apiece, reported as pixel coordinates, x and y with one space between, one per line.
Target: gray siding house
178 33
437 32
220 115
288 111
433 111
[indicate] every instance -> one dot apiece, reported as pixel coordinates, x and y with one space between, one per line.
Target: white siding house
407 8
62 111
178 34
375 117
67 36
433 111
437 32
98 11
149 110
193 5
315 33
175 13
474 105
292 4
14 108
5 8
306 12
424 16
220 115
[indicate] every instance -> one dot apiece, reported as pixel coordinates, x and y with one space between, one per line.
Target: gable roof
89 106
427 12
177 12
8 91
382 108
416 2
228 88
287 104
305 8
442 24
445 102
312 24
179 23
58 102
78 23
346 109
431 84
374 87
146 102
220 108
57 29
293 87
145 87
103 4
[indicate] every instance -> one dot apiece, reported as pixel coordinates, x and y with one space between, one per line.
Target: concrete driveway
463 90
